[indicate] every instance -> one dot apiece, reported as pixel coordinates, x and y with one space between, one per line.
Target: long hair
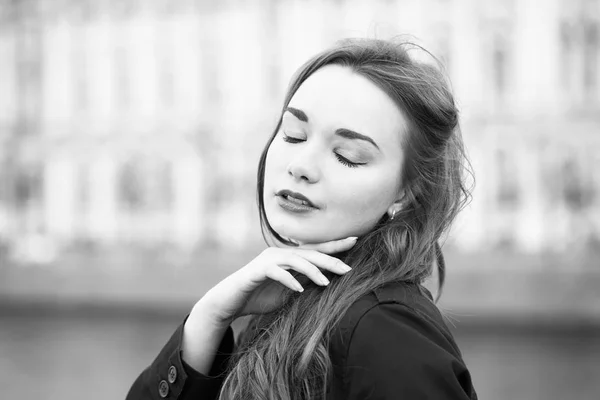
286 355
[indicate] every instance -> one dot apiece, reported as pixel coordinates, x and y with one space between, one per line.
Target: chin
307 236
295 235
304 230
301 232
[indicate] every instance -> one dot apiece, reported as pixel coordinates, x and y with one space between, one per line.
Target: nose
304 167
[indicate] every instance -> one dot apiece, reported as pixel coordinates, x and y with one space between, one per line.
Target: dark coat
391 344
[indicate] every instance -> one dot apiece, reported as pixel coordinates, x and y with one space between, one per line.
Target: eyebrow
343 132
349 134
301 115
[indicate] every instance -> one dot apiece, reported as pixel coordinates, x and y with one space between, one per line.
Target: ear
394 209
397 205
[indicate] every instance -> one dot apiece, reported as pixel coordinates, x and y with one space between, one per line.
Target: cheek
276 155
366 198
276 164
272 162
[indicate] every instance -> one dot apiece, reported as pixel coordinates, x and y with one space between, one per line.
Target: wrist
207 314
202 334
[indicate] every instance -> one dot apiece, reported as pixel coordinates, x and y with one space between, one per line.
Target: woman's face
339 145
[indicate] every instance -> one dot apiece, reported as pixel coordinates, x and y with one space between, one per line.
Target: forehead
337 97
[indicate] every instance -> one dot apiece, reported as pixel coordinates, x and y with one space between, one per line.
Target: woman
362 176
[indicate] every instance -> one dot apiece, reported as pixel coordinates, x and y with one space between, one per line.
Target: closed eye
341 159
290 139
347 162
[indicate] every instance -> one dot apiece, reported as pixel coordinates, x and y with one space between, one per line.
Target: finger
300 264
334 246
324 261
282 276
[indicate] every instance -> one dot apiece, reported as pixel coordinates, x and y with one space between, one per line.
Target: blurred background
130 133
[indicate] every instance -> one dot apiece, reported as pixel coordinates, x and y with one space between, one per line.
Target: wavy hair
284 355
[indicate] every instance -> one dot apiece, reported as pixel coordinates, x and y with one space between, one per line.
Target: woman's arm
202 335
173 375
258 287
396 353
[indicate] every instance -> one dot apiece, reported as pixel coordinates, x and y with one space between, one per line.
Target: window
590 59
567 44
130 190
29 67
146 184
499 63
28 186
577 189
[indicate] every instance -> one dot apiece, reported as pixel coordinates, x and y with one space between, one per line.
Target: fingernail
352 238
346 267
299 287
324 280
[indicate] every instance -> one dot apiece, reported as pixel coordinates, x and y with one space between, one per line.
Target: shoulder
394 339
395 307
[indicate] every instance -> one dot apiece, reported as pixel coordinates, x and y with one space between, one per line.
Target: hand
259 287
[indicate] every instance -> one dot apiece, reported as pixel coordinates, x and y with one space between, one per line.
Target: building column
189 225
103 207
59 192
529 229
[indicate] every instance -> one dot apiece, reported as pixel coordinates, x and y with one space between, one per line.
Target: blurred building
142 121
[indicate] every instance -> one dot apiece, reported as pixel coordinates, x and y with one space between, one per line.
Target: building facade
142 121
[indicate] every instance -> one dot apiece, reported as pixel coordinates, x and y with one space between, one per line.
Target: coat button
172 374
163 389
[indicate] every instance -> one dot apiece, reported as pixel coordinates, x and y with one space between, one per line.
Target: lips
296 197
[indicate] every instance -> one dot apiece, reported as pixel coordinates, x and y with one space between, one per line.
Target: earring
393 214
